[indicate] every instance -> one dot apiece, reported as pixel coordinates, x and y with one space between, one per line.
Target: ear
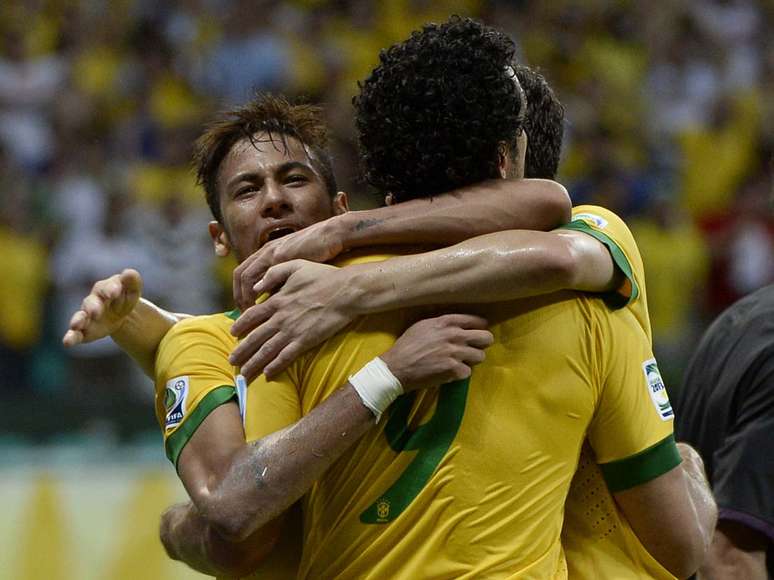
340 203
389 199
219 239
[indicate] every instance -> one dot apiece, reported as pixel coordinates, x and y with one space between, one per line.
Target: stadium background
670 111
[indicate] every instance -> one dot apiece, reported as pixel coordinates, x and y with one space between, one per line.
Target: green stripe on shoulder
615 299
642 467
215 398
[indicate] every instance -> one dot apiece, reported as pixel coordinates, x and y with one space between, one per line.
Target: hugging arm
314 301
240 490
482 208
674 515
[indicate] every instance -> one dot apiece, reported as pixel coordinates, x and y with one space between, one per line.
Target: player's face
268 190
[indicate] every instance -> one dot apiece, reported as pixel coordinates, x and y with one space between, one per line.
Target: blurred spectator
100 102
28 86
23 263
676 260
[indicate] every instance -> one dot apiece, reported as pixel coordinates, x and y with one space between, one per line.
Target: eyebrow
283 168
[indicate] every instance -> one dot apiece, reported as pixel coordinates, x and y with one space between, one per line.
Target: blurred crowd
670 110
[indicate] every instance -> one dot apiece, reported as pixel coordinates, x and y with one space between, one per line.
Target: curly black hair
544 125
433 115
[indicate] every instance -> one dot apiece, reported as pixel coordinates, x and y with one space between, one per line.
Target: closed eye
296 178
245 191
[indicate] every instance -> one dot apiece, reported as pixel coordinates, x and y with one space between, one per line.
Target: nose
275 202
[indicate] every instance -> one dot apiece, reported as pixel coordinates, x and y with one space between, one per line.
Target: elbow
557 205
231 525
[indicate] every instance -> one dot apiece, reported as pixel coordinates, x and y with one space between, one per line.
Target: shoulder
209 332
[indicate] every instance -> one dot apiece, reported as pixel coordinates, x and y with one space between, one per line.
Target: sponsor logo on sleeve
175 395
657 390
593 218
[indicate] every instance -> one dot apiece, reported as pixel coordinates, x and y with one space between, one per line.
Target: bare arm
483 208
114 308
673 515
313 301
239 489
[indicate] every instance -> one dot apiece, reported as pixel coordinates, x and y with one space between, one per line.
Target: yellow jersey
194 377
469 480
598 541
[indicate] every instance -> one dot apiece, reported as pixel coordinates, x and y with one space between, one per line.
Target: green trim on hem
646 465
178 440
616 299
233 314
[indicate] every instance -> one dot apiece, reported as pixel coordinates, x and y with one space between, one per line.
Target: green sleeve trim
233 314
215 398
642 467
615 299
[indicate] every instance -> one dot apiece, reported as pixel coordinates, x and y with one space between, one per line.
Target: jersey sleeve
611 231
631 431
193 377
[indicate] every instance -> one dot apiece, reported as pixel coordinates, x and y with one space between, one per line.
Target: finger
79 320
251 275
284 359
276 276
467 321
252 343
131 281
479 338
253 317
471 356
108 290
93 306
235 289
72 337
254 367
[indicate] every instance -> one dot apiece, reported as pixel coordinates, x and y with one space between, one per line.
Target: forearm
271 474
502 266
703 504
140 334
189 538
483 208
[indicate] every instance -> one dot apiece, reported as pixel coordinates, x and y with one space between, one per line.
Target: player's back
468 480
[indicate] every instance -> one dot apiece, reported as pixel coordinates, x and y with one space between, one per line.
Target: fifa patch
657 390
175 395
598 221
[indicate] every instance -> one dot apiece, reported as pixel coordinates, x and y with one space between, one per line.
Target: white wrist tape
376 386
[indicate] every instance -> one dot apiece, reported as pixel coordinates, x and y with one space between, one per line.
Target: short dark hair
544 125
265 113
433 114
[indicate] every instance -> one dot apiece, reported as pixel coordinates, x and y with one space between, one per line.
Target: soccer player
726 410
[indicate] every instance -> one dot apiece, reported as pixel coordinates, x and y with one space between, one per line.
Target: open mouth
278 233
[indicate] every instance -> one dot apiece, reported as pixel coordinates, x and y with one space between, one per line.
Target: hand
311 303
105 309
319 243
438 350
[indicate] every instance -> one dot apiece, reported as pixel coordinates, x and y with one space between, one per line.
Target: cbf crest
175 394
382 510
657 390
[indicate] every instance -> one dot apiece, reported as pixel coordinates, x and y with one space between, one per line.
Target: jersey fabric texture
194 377
469 480
727 412
598 541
